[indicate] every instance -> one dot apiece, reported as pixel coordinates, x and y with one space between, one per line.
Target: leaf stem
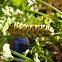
60 33
13 36
49 6
10 36
17 59
22 56
54 18
20 60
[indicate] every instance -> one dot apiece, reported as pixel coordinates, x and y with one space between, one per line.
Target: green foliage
2 42
21 11
17 2
38 51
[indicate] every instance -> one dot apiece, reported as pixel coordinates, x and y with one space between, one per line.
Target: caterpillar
26 30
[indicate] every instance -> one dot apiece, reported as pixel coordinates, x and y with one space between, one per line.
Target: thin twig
13 36
49 6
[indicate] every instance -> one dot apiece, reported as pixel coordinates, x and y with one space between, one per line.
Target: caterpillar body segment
30 30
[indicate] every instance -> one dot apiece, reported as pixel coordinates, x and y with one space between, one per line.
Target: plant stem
55 34
20 60
49 6
54 18
17 59
10 36
13 36
22 56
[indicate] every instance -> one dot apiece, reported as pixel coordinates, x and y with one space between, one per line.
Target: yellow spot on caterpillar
30 30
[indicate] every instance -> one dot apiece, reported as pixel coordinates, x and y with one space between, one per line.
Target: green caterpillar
30 30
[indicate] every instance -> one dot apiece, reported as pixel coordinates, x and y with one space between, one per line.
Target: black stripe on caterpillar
30 30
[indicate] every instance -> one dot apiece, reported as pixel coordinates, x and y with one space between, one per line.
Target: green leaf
17 2
2 42
1 1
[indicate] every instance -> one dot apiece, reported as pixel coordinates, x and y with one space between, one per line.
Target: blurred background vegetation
44 49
